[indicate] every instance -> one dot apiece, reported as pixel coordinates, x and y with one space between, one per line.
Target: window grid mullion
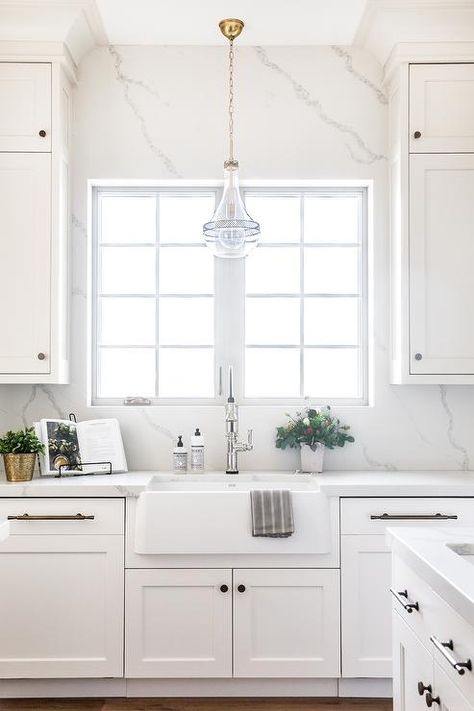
157 294
302 302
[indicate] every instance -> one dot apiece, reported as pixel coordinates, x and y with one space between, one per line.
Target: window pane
126 372
186 372
279 216
331 372
182 216
187 321
273 270
333 321
186 270
272 372
128 219
127 270
129 322
272 321
331 219
331 270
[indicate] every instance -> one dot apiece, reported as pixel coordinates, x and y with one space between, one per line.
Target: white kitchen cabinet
25 98
286 623
413 669
441 259
25 286
61 606
450 698
34 222
178 623
366 606
442 108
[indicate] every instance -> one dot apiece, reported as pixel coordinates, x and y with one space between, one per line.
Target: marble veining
465 460
368 156
48 391
375 464
348 63
126 84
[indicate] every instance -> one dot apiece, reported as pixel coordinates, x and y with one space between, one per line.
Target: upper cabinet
442 108
432 223
34 222
25 98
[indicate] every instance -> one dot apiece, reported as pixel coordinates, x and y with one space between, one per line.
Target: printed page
101 441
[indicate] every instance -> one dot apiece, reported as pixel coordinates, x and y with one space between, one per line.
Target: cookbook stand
73 472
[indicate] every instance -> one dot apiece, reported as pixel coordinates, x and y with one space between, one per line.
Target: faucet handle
249 439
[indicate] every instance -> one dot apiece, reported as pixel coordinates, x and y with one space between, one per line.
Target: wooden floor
196 705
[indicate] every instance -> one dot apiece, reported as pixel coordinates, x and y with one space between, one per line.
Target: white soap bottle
180 456
197 451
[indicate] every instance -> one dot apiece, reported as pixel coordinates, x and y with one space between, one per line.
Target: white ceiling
267 22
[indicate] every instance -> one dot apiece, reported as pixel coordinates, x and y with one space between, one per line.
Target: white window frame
230 302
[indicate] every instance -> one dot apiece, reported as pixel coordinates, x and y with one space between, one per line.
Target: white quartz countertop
333 483
449 574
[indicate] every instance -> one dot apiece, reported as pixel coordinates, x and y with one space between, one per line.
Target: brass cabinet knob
41 356
417 134
42 133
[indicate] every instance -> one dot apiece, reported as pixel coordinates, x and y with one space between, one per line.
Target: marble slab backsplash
303 113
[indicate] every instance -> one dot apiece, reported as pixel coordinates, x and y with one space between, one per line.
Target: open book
70 444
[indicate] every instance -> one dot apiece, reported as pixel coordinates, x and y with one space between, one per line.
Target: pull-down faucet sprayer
232 430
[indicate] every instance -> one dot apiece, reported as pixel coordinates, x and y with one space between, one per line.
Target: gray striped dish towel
272 513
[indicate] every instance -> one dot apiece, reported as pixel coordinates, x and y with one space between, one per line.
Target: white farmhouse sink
4 529
209 514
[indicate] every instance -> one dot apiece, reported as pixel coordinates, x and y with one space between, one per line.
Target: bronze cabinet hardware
224 588
418 356
409 606
41 356
430 699
413 517
241 588
42 133
417 134
422 688
443 648
51 517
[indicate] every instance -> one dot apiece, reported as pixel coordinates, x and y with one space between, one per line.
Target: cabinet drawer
82 516
372 516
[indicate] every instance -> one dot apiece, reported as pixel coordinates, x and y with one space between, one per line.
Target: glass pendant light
231 233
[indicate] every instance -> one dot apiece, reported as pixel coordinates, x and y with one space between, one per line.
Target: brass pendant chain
231 101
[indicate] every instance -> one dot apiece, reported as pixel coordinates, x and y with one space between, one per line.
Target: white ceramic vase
312 459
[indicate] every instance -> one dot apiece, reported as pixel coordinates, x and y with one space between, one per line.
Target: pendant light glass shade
231 233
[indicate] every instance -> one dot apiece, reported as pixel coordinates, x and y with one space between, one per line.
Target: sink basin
209 514
4 529
465 550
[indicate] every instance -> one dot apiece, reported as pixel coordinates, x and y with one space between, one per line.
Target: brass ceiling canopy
231 28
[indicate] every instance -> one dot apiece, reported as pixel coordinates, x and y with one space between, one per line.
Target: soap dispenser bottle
197 451
180 456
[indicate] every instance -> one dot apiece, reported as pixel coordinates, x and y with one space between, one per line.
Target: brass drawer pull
413 517
443 648
51 517
409 606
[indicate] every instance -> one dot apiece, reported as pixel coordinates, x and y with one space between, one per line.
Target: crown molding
19 51
427 53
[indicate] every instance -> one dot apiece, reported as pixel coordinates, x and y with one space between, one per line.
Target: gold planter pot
19 467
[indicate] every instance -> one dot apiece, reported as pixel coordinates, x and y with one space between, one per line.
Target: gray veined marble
465 460
367 155
347 58
375 464
126 83
35 390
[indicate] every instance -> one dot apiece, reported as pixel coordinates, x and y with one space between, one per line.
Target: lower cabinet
224 623
61 606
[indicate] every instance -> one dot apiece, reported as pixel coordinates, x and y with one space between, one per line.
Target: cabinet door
286 623
61 606
25 98
25 244
366 606
442 108
413 666
441 264
450 697
178 623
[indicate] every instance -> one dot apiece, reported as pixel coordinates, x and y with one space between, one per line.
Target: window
168 319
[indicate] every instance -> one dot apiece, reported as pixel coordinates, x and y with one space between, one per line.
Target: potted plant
311 431
19 450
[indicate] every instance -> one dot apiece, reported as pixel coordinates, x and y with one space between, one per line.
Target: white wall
302 112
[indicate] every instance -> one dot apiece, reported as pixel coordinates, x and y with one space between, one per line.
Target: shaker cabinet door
25 98
441 264
25 250
413 670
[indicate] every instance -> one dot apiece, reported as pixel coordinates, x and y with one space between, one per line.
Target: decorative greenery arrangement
313 427
21 442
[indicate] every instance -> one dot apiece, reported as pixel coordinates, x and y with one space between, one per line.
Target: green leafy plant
21 442
313 427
